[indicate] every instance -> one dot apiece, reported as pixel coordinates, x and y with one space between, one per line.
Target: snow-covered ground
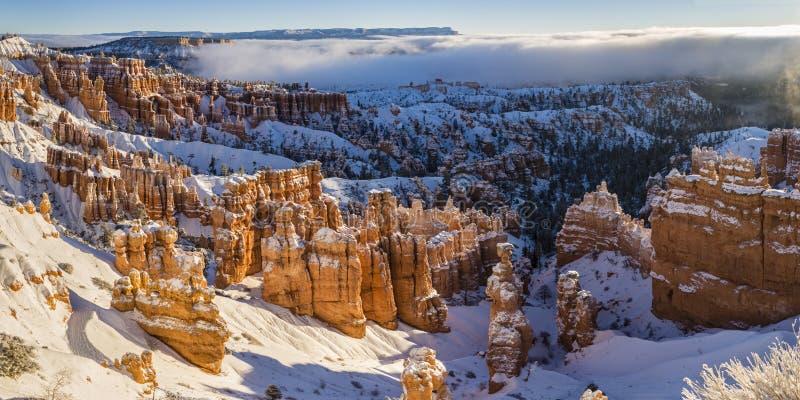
355 191
744 142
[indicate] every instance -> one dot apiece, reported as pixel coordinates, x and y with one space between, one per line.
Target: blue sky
471 17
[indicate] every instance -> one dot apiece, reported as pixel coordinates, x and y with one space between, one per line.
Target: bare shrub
774 376
16 358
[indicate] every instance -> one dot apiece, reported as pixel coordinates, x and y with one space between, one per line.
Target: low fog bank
553 59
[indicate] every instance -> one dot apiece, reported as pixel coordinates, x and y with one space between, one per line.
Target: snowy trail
78 341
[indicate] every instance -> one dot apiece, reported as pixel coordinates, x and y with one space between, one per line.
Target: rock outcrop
418 304
45 207
722 247
287 281
598 224
169 297
576 315
510 333
8 104
335 270
590 394
424 376
113 184
18 272
272 222
140 367
780 158
725 246
321 279
93 98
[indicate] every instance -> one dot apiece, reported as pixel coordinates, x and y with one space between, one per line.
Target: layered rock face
722 246
392 263
424 376
162 100
418 304
510 333
377 291
287 281
29 84
168 295
780 159
725 246
335 270
598 224
66 76
576 315
67 133
93 98
245 213
322 278
113 183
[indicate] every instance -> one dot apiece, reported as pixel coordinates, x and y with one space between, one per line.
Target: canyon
721 247
236 236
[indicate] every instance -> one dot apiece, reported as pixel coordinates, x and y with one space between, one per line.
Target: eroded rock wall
724 246
598 224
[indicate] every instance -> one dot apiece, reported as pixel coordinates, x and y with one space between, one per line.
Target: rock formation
510 334
335 270
721 249
8 105
590 394
140 367
724 246
169 297
112 183
418 304
287 282
576 315
780 158
322 278
377 292
598 224
271 222
424 376
395 263
46 282
45 207
245 214
93 98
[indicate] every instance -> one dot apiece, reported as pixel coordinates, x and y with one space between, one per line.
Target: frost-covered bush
775 376
15 357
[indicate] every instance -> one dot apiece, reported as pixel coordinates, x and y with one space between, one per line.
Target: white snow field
743 142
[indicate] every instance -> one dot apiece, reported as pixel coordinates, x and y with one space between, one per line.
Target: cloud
582 57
